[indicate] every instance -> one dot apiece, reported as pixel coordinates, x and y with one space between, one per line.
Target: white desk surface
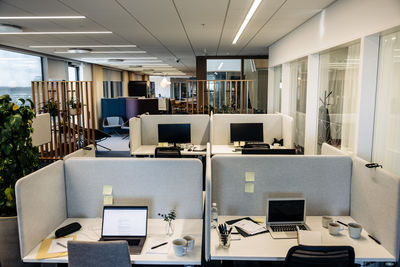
91 229
148 150
264 247
230 149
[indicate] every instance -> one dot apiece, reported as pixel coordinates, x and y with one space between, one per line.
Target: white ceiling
166 29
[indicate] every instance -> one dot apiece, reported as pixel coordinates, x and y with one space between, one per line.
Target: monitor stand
177 146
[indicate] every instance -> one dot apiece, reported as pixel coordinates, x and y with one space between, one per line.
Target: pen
373 238
342 223
162 244
64 246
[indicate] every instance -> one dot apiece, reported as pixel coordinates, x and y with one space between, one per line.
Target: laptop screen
124 221
286 210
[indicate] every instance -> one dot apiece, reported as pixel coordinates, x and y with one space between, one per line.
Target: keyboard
287 227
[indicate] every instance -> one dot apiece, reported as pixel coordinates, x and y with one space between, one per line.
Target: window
386 146
112 84
298 81
277 89
16 73
338 95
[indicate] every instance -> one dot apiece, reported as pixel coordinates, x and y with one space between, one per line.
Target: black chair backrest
167 152
325 256
272 151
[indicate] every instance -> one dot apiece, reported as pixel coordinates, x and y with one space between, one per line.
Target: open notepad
53 248
249 227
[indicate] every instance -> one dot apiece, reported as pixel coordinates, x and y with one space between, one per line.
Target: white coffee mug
180 247
326 220
354 230
190 241
334 228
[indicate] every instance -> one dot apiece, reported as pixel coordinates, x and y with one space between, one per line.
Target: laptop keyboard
133 242
287 227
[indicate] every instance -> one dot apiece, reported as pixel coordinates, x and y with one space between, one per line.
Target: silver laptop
125 223
285 216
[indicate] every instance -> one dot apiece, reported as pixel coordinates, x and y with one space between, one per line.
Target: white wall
165 92
341 22
57 70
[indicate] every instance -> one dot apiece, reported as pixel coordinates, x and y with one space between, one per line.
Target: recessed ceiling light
52 33
44 17
253 9
79 50
9 28
105 58
82 46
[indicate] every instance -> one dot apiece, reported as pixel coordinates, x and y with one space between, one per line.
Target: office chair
167 152
113 123
98 254
325 256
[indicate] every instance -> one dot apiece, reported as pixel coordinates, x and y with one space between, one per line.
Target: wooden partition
220 96
71 107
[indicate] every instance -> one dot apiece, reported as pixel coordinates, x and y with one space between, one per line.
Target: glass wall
277 89
338 95
112 84
386 148
16 73
298 82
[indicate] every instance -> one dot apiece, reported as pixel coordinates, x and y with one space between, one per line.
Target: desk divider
323 180
135 133
207 218
41 204
375 203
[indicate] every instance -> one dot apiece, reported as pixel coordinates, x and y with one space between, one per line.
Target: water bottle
214 216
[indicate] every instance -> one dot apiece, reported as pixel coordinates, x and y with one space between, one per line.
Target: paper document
59 245
249 227
309 238
155 241
50 249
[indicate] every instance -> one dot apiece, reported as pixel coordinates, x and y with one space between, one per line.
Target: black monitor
174 133
248 132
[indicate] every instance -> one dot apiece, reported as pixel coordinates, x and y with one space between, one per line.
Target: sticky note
249 187
258 220
235 143
242 143
107 190
163 144
108 200
250 176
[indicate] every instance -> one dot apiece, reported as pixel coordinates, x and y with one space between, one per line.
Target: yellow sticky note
107 189
235 143
249 187
250 176
242 143
108 200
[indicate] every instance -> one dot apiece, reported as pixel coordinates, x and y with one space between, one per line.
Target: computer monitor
248 132
174 133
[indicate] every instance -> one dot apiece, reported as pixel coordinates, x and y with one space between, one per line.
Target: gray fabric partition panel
41 204
199 127
324 181
272 124
161 184
375 203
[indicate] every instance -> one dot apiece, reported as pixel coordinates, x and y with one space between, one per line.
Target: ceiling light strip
249 15
43 17
52 33
105 52
80 46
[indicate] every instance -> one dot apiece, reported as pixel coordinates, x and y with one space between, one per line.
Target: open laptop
125 223
284 215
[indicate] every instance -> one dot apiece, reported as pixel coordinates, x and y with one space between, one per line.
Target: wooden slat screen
71 108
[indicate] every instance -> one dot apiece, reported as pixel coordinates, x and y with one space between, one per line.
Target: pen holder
224 240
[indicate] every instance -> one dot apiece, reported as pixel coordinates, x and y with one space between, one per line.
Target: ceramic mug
190 241
180 247
334 228
354 230
326 220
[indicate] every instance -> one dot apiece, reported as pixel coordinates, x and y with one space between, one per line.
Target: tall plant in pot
18 157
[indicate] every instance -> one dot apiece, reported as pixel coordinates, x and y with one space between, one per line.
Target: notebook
125 223
285 216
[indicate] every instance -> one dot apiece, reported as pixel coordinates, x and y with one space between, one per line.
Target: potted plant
51 107
169 219
73 106
18 157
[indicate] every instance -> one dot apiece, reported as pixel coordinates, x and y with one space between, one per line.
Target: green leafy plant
74 104
18 157
51 107
168 217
